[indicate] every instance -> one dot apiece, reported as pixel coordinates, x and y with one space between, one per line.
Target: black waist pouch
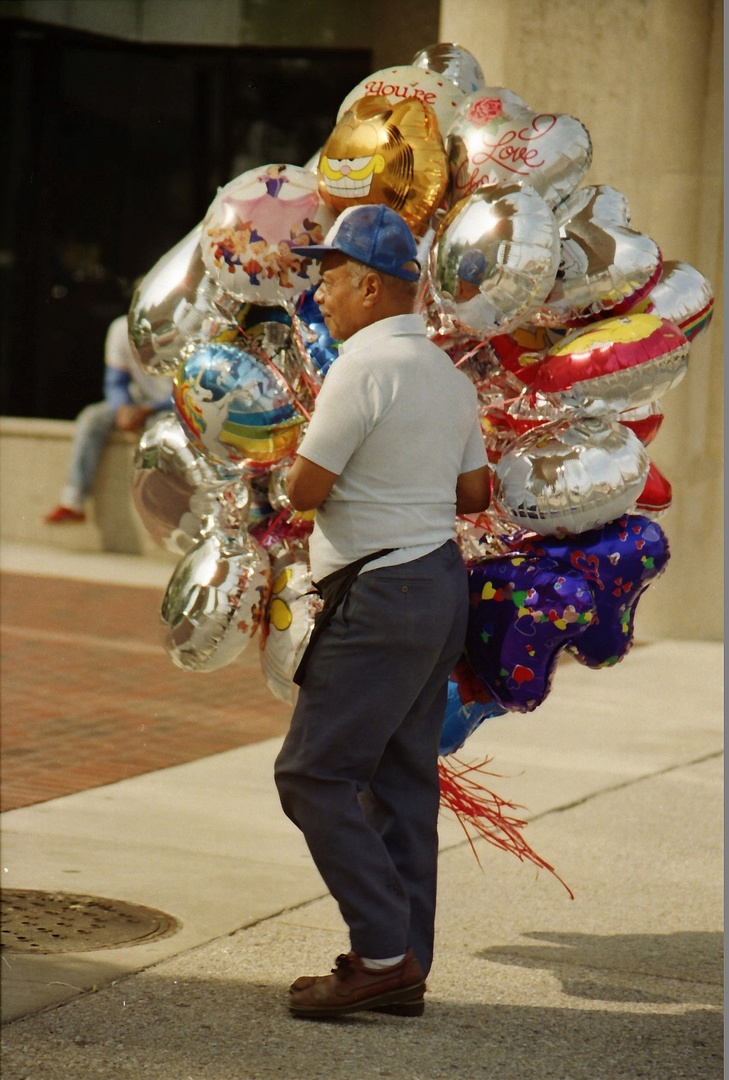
333 588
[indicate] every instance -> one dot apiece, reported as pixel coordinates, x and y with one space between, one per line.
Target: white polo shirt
397 423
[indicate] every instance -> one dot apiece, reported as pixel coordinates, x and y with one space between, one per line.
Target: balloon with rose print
494 138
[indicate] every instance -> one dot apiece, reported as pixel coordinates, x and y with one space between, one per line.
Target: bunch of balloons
567 320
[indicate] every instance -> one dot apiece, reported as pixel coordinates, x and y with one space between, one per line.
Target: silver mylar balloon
174 488
171 305
570 476
684 296
277 495
456 63
233 504
288 623
605 266
495 138
494 258
214 602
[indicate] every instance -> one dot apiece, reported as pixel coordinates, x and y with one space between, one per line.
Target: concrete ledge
34 456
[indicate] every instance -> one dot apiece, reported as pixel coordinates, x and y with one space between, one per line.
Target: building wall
393 29
645 77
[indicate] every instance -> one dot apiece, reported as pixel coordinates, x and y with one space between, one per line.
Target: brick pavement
89 695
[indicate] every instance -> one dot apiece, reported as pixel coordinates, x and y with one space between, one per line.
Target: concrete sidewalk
620 772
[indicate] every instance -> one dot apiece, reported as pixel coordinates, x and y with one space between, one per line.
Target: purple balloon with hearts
619 561
525 609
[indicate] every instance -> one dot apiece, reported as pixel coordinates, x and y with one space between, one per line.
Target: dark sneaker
352 988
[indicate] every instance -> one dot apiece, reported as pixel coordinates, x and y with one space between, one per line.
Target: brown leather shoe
351 988
416 1007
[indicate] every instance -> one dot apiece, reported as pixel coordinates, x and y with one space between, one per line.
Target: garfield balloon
385 153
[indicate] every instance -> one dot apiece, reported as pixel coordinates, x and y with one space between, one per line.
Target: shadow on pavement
625 967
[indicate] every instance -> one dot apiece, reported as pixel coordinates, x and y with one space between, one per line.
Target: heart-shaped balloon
605 266
457 64
568 476
614 365
494 138
619 562
214 602
410 83
251 227
286 629
525 609
685 297
383 152
494 258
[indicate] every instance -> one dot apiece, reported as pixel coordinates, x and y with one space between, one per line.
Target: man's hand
307 484
131 417
473 491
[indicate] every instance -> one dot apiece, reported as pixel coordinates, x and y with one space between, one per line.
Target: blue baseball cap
374 235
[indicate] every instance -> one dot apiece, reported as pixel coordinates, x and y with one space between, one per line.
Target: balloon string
422 293
483 810
262 355
272 524
469 354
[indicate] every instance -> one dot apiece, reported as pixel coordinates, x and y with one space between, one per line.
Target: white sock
72 499
378 965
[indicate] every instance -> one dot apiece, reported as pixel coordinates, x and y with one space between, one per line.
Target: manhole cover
45 922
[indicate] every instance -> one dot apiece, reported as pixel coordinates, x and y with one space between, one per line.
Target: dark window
113 152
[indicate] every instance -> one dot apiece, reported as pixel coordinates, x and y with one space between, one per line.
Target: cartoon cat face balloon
385 153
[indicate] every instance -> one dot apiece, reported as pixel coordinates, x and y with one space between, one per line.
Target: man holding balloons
392 453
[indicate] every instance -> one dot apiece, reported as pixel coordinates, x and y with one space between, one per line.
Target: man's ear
372 288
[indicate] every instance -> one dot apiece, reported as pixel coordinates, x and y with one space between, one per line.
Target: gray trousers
358 770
